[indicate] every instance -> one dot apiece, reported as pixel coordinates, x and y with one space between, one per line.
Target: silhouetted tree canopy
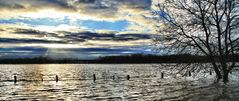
200 27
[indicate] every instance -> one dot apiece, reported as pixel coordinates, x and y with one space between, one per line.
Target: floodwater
76 84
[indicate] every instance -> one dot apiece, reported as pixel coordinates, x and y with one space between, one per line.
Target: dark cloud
31 5
17 49
102 36
29 31
21 4
143 4
82 53
11 6
86 1
12 40
100 50
69 37
22 52
101 8
96 52
58 3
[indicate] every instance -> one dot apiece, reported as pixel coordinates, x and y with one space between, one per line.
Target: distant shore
126 59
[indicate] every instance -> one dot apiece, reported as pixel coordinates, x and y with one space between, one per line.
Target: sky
84 29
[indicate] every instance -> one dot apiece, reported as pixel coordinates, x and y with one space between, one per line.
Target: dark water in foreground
75 83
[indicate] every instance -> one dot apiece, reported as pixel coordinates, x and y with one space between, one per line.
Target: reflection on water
76 83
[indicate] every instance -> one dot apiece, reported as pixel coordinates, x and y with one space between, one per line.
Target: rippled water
75 83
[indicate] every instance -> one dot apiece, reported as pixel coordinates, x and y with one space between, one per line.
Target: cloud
29 31
33 5
60 53
86 36
136 11
101 8
30 36
22 52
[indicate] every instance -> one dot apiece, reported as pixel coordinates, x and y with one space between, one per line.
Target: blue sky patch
92 25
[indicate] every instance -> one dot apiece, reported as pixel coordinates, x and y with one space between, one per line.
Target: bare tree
201 27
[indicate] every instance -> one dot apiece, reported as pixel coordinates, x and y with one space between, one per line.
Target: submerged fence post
162 75
113 77
15 79
41 76
189 73
128 77
94 77
56 78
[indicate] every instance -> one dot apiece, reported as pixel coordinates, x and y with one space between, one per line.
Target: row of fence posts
57 78
113 77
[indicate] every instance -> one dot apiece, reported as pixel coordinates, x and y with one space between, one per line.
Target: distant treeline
180 58
134 58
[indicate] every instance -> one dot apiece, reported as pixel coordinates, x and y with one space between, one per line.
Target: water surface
76 83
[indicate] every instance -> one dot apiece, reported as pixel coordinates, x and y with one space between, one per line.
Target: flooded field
75 83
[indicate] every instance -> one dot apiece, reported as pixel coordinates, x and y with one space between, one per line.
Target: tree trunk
219 76
218 73
225 71
225 76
